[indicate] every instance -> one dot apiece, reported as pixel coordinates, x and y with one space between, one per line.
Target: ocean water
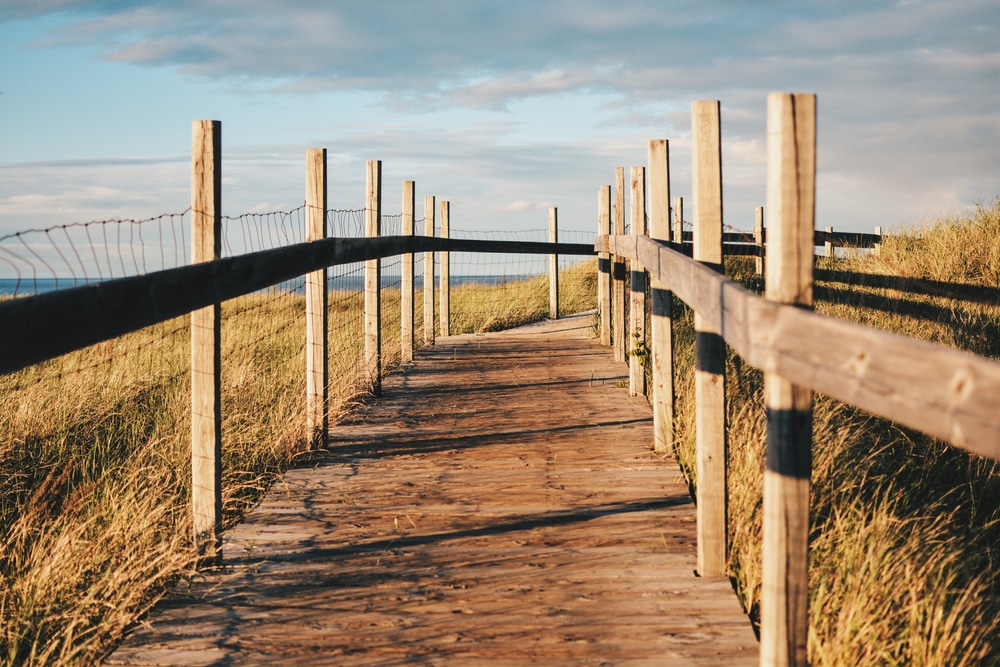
28 286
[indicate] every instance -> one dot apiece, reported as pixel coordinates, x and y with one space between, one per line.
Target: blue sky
504 108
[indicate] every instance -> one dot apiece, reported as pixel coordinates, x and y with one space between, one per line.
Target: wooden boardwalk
499 505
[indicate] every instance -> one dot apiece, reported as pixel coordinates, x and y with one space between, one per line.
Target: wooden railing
946 393
44 326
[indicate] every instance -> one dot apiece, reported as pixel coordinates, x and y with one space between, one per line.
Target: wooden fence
47 325
946 393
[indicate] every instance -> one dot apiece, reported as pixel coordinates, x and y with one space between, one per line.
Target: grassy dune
905 529
95 454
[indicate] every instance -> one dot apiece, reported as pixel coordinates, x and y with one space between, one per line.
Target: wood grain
710 350
430 215
791 202
661 317
206 401
604 265
406 306
553 265
445 271
373 277
499 505
637 288
316 301
619 328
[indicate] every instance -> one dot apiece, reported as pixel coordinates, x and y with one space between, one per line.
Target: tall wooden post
758 239
791 202
661 321
316 297
406 277
710 348
877 248
553 265
373 277
445 272
637 303
679 221
618 270
604 264
429 213
206 397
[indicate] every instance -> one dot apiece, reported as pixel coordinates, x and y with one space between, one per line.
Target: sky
502 108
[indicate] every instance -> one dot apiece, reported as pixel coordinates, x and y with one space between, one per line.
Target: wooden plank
462 520
791 200
678 236
604 265
406 276
317 420
618 335
430 211
828 243
445 272
553 265
758 239
661 322
637 291
373 278
710 349
206 401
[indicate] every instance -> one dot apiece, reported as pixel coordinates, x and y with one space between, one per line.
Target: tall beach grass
905 530
95 452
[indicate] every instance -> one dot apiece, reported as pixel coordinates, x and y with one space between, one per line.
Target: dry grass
905 529
95 458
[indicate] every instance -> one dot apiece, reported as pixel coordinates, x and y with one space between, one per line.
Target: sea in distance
29 286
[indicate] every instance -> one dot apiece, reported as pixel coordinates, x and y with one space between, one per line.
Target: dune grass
95 454
905 530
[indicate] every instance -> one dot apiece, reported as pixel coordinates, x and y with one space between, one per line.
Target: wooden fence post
791 197
661 322
373 278
553 265
618 335
679 221
206 401
637 304
445 272
406 277
877 248
828 245
758 239
604 264
316 307
429 212
710 348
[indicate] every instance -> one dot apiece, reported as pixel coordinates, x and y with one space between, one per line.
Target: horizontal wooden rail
946 393
44 326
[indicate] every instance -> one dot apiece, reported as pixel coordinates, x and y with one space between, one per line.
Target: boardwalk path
500 504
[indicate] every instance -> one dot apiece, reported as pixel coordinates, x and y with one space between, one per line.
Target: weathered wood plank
637 288
445 314
430 213
604 265
206 374
661 318
500 503
791 202
710 349
373 277
619 335
316 301
406 305
553 264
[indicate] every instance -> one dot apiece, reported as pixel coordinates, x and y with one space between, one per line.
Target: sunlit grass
95 451
905 535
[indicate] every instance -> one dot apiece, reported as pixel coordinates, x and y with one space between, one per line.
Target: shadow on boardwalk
500 504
